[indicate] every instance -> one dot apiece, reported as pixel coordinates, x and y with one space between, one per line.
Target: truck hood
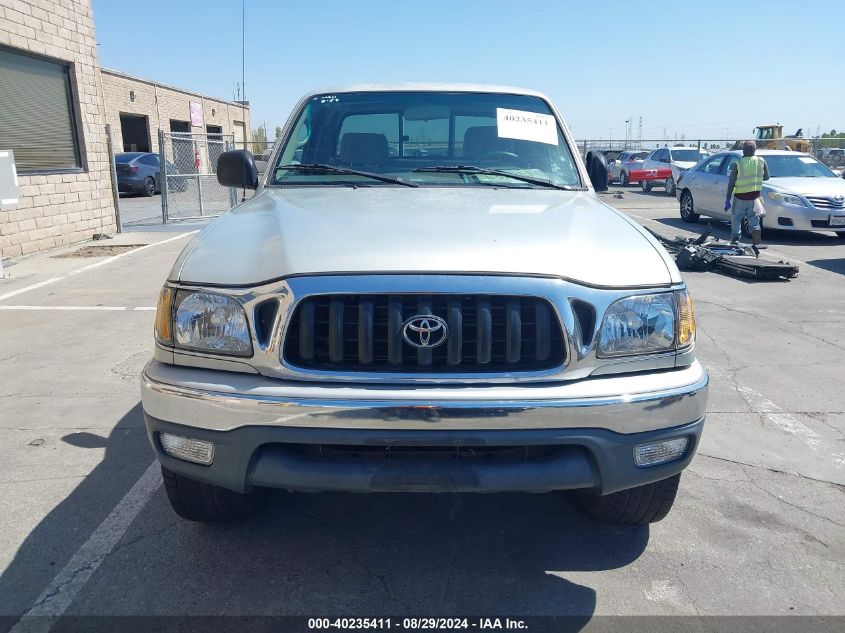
808 186
282 232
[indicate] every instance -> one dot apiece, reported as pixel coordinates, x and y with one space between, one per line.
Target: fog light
190 450
660 452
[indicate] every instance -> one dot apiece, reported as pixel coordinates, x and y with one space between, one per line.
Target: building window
37 117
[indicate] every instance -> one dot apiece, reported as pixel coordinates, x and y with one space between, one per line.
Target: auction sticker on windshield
526 126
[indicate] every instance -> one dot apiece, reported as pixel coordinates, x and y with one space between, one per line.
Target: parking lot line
62 591
73 308
108 260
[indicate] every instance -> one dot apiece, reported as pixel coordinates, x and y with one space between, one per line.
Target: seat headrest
363 148
482 139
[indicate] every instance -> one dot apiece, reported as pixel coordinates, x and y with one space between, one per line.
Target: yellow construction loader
771 137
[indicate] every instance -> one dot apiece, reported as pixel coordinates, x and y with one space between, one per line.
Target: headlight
786 198
644 324
638 325
211 322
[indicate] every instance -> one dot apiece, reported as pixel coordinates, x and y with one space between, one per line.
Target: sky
699 69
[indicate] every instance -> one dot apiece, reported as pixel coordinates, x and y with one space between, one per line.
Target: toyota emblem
425 331
839 198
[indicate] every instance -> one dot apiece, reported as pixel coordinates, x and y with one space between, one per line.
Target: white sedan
802 194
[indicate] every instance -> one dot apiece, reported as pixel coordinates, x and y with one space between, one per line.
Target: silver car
801 195
628 161
425 294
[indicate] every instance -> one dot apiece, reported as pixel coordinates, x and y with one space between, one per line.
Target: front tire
149 187
645 185
636 506
623 179
688 213
670 186
198 501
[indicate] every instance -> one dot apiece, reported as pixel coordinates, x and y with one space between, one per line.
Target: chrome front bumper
263 430
223 401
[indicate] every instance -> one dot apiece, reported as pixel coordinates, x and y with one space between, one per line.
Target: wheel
645 185
636 506
198 501
623 179
688 213
670 186
149 187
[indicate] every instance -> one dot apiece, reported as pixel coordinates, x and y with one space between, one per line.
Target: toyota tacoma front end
425 294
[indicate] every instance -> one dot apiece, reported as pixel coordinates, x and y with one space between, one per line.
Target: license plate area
836 220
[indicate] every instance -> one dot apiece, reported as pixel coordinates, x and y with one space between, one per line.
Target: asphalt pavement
85 527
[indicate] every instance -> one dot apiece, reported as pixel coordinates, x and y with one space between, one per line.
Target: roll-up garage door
36 119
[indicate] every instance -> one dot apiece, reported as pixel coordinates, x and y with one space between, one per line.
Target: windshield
786 166
403 134
688 155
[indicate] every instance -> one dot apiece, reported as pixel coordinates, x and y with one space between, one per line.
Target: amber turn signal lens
164 311
686 318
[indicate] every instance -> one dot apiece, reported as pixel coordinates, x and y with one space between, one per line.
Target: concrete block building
55 102
52 116
137 108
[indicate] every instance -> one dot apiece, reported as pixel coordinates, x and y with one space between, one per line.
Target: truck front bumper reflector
187 449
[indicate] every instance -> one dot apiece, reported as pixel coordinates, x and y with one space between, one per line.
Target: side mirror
237 169
597 169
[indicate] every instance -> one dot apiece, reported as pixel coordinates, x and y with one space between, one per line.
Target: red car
626 169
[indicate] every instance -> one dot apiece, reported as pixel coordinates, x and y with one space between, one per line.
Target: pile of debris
707 253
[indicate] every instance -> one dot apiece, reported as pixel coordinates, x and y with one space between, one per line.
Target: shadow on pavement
831 265
320 554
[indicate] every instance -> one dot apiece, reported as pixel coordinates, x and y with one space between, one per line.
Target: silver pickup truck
424 294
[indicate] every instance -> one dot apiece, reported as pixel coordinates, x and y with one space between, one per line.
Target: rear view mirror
426 112
237 168
597 169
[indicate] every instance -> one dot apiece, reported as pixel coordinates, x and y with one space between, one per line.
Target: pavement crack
754 483
144 536
355 555
90 565
770 320
772 470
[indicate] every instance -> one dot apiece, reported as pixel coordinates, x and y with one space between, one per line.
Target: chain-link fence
189 175
830 151
261 150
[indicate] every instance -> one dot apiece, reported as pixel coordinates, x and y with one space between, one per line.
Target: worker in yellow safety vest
745 183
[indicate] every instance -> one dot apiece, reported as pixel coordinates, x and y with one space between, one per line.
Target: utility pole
627 127
640 134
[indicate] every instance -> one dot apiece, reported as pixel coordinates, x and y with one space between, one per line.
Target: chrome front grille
821 202
364 333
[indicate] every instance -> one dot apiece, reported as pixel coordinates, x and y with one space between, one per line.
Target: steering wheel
504 155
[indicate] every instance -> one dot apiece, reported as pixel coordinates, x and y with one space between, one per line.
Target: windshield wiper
481 171
343 170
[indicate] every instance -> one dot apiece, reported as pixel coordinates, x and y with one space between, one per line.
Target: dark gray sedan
138 172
